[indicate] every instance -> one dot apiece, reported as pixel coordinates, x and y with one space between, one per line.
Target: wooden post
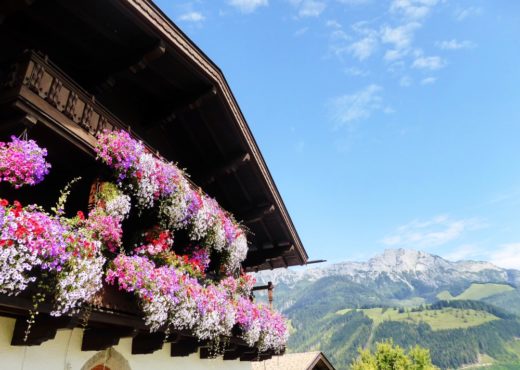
270 289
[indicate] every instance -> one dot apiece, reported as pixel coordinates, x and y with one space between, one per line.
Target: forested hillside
399 295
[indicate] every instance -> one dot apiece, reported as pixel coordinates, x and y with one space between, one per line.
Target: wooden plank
43 329
184 346
146 343
98 339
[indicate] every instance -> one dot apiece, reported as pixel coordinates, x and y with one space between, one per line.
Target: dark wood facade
69 69
122 63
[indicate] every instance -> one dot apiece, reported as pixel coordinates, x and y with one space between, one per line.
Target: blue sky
385 124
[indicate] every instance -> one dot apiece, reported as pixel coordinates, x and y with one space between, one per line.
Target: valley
464 312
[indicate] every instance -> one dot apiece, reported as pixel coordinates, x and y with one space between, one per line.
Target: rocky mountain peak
399 265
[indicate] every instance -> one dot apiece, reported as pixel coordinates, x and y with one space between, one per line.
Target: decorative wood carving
44 79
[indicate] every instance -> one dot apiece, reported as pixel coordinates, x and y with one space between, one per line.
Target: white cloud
192 17
412 9
463 13
400 36
394 54
300 32
357 106
354 2
506 255
455 45
464 252
331 23
434 232
363 48
248 6
311 8
357 72
428 80
431 63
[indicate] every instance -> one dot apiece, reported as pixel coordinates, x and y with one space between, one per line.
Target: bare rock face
400 265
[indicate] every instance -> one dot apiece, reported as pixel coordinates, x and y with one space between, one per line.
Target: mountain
400 294
400 265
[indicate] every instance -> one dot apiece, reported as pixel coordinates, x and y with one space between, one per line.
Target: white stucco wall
64 352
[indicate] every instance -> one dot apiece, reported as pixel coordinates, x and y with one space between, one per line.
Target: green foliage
59 208
474 305
388 356
453 348
509 301
477 291
440 319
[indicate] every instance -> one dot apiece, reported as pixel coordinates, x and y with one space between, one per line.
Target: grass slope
446 318
477 292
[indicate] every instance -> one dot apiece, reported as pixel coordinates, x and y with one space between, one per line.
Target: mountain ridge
406 266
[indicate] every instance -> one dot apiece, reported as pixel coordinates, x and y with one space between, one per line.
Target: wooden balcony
39 88
115 316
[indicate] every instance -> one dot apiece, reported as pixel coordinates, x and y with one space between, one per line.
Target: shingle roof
295 361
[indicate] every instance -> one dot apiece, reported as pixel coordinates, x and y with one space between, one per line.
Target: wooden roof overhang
127 56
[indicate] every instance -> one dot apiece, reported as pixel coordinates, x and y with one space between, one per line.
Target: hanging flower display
67 256
170 297
32 241
22 162
150 179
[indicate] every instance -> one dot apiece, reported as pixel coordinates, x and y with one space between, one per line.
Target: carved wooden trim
47 82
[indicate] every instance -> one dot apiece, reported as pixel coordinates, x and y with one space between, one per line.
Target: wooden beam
258 213
146 343
149 57
251 354
132 65
260 256
228 168
234 352
43 329
205 353
96 339
184 346
171 113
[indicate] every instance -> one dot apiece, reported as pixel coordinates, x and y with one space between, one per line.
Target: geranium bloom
105 228
30 238
150 180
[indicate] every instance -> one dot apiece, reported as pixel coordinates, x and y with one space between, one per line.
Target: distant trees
388 356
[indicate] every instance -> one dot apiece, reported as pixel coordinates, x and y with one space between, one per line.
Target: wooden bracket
145 343
95 339
184 346
258 213
228 168
43 329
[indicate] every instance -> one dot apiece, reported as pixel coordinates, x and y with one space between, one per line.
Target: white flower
118 206
237 253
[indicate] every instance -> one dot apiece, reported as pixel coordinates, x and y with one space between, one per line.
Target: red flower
80 215
4 202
